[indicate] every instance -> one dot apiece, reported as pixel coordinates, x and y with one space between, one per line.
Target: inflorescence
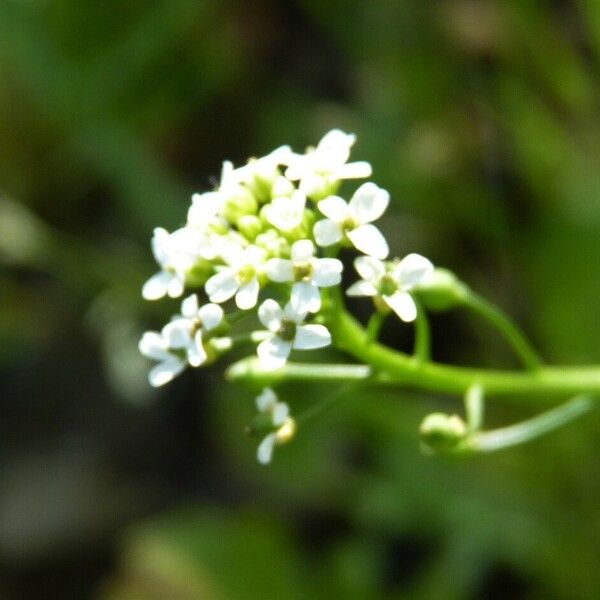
265 242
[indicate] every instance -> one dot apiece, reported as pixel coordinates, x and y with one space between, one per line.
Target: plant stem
474 407
422 349
374 325
386 366
509 330
497 439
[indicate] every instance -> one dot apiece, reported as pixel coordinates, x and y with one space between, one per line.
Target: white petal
265 449
211 316
327 272
160 245
334 148
279 269
362 288
327 232
153 345
266 399
177 332
403 305
354 170
302 251
291 314
165 372
248 294
156 287
411 270
281 412
334 208
369 202
222 286
368 239
273 352
309 337
270 314
369 268
282 187
305 297
176 286
189 307
195 352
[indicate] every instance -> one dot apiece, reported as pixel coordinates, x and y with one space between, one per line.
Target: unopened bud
441 291
441 432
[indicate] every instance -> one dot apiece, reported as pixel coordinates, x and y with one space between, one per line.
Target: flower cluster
264 243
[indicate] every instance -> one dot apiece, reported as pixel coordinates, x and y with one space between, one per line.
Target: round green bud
441 432
441 292
239 204
250 226
198 275
273 243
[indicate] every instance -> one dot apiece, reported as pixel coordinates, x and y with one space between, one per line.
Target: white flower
392 284
185 332
238 277
326 164
204 211
176 253
155 346
279 417
353 220
286 213
264 168
308 274
286 332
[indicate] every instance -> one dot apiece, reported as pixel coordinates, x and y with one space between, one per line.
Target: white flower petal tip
284 427
403 305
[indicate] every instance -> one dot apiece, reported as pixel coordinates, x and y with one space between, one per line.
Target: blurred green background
481 117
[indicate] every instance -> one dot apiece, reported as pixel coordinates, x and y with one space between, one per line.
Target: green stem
386 366
374 325
474 407
422 349
497 439
399 368
509 330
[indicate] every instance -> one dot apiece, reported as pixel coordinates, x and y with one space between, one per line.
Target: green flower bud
441 432
441 292
274 244
250 226
239 204
199 273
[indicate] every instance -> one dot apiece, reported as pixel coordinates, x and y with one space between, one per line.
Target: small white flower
204 211
155 346
265 168
279 416
392 282
285 213
286 332
185 332
326 164
353 220
239 277
176 253
308 274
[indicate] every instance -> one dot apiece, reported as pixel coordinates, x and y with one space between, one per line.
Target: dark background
481 117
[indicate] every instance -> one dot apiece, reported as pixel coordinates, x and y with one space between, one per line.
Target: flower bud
275 245
249 226
441 291
240 203
199 273
441 432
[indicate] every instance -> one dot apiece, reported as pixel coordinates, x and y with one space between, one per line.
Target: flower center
348 224
287 331
387 285
303 271
246 274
